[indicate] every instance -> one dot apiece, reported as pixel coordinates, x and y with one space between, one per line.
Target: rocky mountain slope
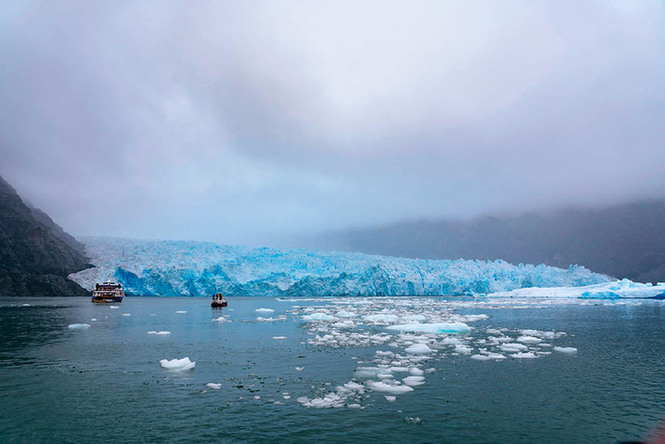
36 255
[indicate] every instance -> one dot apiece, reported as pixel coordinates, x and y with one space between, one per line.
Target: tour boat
218 301
108 291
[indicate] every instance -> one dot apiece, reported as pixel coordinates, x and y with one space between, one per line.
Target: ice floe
279 337
441 327
264 310
181 311
565 349
160 333
214 385
78 326
178 364
607 290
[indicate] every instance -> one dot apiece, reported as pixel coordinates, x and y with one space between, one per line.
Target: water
105 383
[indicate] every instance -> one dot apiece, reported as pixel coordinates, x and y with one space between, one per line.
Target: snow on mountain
169 268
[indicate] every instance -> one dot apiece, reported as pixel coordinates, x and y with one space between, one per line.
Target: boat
218 300
108 291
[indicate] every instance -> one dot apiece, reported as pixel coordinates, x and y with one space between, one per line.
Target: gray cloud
238 121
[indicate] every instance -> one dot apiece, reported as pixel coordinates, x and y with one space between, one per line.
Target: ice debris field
175 268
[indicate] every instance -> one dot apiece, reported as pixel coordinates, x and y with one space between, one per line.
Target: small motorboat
218 300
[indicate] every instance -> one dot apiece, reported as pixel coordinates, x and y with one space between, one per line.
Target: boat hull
219 304
106 300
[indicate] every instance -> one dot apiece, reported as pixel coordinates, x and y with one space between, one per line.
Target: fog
250 122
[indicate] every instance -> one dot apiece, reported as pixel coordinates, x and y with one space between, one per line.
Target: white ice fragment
181 311
527 355
214 386
113 306
126 314
299 369
177 364
390 398
388 388
279 337
441 327
264 310
161 333
78 326
418 349
529 340
414 380
415 371
221 319
480 357
380 317
93 320
565 349
367 372
345 314
513 347
318 317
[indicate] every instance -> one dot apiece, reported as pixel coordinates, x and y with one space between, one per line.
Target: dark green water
105 383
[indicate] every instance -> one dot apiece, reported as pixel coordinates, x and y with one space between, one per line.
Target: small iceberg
214 386
264 310
181 311
161 333
388 388
177 364
279 337
78 326
561 349
418 349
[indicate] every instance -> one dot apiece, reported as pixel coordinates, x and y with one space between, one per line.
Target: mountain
36 255
626 241
174 268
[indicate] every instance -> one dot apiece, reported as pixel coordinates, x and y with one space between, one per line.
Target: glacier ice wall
170 268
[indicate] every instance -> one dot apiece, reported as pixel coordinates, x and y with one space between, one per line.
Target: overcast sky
243 121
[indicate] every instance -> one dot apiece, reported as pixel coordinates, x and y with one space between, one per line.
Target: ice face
607 290
170 268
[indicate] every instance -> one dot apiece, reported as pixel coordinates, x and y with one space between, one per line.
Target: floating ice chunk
181 311
388 388
299 369
390 398
279 337
367 372
414 318
480 357
221 319
463 349
380 318
93 320
78 326
26 305
318 317
126 314
529 340
161 333
513 347
441 327
415 371
527 355
565 349
113 306
415 420
330 400
414 380
177 364
264 310
451 341
345 314
214 386
257 397
418 349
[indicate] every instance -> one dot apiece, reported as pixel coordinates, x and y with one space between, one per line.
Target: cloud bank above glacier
241 120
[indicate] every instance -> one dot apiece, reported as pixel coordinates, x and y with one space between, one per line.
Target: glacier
188 268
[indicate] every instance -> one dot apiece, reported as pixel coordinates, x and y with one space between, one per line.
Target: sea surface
331 370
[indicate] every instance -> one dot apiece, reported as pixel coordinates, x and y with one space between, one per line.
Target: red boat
218 301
